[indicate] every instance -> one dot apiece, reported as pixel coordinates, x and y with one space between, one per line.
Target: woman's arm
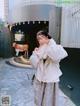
38 54
34 59
56 52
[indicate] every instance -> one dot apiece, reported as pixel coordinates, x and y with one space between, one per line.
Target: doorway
29 29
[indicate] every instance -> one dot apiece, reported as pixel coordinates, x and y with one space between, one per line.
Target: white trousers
46 94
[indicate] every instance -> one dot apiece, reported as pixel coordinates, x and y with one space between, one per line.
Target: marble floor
16 83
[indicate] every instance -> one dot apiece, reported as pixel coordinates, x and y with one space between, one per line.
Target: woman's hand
36 49
40 52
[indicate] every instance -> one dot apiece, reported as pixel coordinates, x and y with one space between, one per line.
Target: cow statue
21 48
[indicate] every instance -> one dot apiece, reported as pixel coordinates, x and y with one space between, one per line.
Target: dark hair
44 33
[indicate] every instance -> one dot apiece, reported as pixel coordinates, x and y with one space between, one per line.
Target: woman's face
42 39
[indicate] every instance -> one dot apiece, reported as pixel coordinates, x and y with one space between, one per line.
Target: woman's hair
44 33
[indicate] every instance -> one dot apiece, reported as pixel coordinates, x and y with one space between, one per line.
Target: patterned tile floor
16 83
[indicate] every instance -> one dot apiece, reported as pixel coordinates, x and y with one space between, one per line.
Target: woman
45 59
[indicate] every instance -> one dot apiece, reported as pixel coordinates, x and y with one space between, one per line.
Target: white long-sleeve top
50 70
